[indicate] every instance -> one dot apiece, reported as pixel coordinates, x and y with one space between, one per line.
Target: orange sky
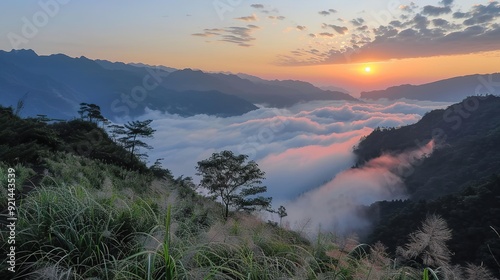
317 41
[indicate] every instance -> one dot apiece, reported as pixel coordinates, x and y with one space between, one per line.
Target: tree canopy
92 112
134 130
235 181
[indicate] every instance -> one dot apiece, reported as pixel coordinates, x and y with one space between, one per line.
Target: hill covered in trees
457 181
465 138
473 215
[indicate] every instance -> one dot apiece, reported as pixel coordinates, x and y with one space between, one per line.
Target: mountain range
448 90
55 85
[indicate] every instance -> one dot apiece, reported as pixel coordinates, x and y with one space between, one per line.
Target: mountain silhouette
449 90
56 84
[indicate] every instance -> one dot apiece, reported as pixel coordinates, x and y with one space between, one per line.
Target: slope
466 150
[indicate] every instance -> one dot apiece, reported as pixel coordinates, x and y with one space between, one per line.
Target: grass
90 220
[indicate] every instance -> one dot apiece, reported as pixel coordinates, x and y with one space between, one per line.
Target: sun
368 69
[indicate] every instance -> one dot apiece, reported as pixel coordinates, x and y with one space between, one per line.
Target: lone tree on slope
134 130
237 183
92 112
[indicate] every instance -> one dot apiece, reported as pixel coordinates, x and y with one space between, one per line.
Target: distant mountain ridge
449 90
57 84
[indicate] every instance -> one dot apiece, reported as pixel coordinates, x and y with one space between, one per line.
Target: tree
136 129
20 104
92 112
237 183
282 213
116 130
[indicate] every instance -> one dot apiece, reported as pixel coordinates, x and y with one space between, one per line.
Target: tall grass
94 221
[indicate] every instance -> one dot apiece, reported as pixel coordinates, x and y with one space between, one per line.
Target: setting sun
368 69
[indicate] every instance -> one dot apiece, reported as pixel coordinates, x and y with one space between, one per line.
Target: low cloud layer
335 206
300 148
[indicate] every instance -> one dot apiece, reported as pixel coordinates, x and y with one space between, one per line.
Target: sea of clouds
305 150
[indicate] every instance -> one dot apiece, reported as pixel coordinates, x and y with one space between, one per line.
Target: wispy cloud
327 12
257 6
338 29
336 204
253 17
276 17
239 35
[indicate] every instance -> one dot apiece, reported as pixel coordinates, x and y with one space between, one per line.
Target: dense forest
473 215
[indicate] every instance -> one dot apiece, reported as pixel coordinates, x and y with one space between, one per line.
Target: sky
357 45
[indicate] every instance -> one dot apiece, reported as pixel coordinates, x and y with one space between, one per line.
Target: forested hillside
466 137
457 181
473 215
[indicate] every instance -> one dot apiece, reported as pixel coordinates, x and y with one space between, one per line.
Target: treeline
473 215
30 140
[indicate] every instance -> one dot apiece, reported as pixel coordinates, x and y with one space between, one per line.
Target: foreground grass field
89 220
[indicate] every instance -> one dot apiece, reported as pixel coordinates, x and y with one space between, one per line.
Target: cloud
326 34
257 6
248 18
263 10
408 8
481 14
335 206
327 12
241 36
299 148
276 17
417 32
301 27
338 29
436 11
446 2
357 21
209 32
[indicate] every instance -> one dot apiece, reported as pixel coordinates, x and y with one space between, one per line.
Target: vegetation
91 112
471 215
466 150
87 211
235 182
